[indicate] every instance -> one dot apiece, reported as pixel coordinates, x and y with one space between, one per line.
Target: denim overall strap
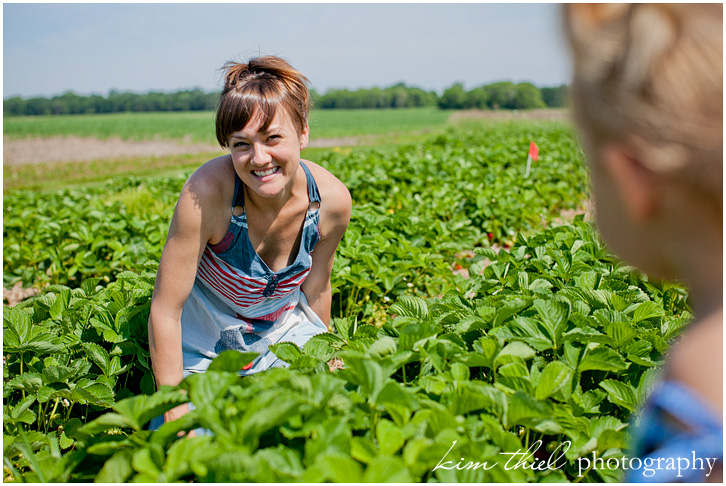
313 194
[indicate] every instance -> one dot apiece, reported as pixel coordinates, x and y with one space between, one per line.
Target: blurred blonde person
648 98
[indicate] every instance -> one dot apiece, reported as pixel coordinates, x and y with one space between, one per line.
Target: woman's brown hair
263 84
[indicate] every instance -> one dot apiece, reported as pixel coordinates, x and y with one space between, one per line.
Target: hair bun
235 72
262 83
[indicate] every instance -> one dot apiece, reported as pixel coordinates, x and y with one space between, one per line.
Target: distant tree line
503 95
71 103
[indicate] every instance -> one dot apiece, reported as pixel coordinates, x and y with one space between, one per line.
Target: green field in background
198 126
373 130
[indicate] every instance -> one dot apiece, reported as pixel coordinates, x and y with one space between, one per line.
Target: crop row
415 210
463 329
553 342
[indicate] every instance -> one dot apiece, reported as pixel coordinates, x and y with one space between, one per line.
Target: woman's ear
304 136
639 186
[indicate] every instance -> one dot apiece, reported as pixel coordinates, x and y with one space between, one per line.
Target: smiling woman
238 269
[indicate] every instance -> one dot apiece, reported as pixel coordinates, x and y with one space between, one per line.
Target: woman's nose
260 155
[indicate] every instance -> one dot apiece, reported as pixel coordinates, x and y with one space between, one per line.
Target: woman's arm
335 212
189 233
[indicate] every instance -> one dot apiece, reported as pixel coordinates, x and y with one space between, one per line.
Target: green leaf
19 323
525 410
672 327
602 358
382 347
471 323
105 422
410 306
20 412
65 441
411 334
117 469
205 388
343 327
554 315
335 467
486 349
393 393
148 461
647 310
515 348
363 450
22 406
611 439
620 393
284 462
603 423
286 351
470 396
541 286
182 453
140 409
318 348
554 377
30 382
305 363
57 374
60 304
489 253
459 372
509 309
621 333
89 287
389 437
386 469
231 360
330 338
514 369
529 331
98 394
98 355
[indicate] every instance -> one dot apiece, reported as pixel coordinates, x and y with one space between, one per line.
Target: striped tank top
237 302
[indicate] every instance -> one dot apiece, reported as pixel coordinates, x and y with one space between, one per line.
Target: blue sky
49 49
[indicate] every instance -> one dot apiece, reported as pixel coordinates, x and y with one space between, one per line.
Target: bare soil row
72 148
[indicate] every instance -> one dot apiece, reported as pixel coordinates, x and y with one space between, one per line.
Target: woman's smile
262 174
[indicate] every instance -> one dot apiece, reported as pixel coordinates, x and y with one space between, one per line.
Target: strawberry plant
466 328
553 342
68 355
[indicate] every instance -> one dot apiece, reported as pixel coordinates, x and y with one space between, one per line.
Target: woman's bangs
235 112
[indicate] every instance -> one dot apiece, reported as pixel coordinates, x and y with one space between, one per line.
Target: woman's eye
240 144
273 137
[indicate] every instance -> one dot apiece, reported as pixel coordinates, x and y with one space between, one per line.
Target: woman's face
267 161
635 240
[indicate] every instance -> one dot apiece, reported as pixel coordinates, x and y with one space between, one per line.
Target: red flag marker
532 155
533 150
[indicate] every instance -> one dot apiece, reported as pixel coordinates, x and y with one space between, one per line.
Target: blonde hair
263 84
651 76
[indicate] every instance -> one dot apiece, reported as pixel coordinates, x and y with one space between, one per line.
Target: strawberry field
472 321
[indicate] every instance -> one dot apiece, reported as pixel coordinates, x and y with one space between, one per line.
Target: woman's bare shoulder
333 192
205 200
210 183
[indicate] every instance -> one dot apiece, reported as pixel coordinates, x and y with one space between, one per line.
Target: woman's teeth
263 173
